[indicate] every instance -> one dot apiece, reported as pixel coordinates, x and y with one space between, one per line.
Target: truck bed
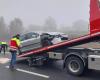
68 43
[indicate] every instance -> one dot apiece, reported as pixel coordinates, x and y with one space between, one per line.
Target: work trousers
13 58
3 48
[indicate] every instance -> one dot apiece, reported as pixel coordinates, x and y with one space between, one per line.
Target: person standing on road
3 47
0 46
14 46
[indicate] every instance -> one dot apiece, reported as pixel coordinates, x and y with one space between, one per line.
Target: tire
74 65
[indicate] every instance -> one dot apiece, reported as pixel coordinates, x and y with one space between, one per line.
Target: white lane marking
29 72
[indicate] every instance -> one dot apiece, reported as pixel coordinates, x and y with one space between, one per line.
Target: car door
30 41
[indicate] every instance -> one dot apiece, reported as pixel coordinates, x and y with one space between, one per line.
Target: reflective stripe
3 43
13 48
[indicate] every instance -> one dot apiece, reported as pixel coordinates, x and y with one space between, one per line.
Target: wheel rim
74 66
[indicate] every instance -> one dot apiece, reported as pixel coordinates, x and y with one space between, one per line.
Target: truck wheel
74 65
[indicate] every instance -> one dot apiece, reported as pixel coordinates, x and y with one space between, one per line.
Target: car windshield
29 36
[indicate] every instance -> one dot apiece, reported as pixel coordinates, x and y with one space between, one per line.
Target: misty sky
36 11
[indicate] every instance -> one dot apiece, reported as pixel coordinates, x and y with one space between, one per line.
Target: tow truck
75 59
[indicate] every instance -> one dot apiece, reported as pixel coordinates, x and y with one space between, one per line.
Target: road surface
52 71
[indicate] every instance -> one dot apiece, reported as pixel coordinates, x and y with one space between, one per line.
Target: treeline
14 27
17 26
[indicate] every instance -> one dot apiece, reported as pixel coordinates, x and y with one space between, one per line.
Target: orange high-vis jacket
14 44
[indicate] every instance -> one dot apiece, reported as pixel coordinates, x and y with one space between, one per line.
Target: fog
21 16
16 26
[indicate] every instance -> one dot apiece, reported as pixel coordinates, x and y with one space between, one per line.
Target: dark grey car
30 41
35 40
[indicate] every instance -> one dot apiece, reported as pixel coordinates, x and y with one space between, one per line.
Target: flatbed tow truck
75 59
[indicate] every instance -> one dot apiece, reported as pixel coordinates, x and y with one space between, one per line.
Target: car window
22 37
34 35
29 36
57 36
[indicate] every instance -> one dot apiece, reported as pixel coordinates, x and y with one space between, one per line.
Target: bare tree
50 25
80 25
16 27
3 29
78 28
33 27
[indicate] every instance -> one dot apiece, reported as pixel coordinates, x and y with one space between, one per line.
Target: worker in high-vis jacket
3 47
0 46
14 46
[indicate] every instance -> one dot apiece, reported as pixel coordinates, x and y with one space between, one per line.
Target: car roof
51 33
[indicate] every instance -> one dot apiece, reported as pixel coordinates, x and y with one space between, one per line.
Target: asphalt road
52 71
